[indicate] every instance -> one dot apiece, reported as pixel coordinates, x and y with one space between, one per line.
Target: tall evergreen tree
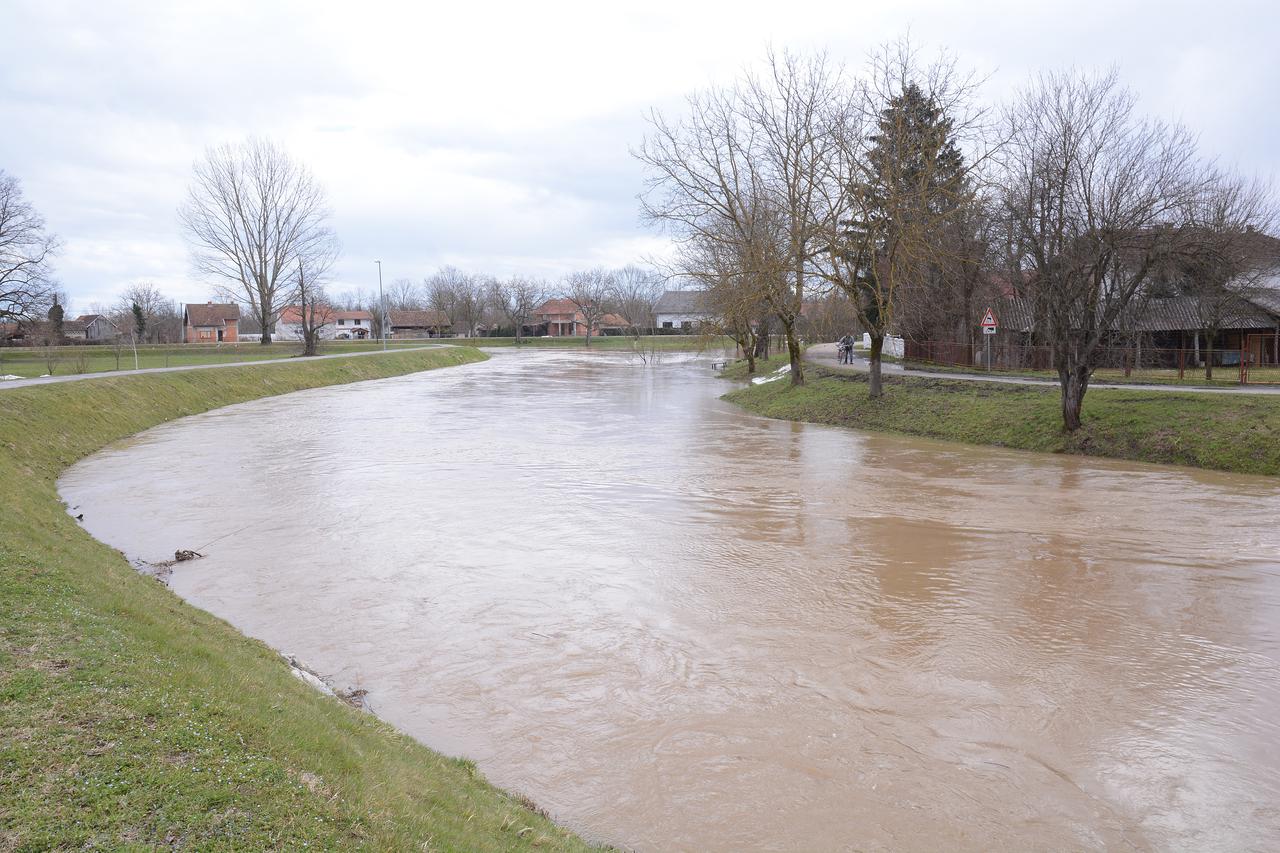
55 319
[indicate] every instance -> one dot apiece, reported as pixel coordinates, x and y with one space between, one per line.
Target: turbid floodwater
678 626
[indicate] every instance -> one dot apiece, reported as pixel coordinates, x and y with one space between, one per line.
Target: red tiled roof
556 306
212 314
292 314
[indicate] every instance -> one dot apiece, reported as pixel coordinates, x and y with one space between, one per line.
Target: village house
559 318
334 325
212 322
1170 332
682 309
90 327
419 324
352 325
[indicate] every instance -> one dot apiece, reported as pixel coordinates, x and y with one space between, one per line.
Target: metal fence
1255 363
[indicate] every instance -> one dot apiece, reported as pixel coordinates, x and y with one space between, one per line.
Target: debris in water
353 696
302 673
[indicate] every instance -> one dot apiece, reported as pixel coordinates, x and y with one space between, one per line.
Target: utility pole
382 306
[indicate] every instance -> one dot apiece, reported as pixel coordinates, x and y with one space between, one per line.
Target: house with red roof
558 318
211 323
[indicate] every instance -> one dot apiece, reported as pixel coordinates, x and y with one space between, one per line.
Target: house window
344 322
666 324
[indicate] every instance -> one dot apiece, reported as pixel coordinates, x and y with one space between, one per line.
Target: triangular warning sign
989 320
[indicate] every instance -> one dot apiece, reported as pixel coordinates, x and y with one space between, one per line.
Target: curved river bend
678 626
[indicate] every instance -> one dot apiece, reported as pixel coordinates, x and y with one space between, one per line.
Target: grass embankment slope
1239 433
132 720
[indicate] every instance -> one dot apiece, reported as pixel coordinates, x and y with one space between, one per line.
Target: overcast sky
496 137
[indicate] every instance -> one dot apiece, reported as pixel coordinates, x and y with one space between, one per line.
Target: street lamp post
382 306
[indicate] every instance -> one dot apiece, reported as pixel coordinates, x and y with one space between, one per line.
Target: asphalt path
827 357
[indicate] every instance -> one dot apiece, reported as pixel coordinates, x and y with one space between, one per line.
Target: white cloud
497 136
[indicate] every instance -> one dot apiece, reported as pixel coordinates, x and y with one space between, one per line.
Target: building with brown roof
558 318
419 324
90 327
332 324
212 322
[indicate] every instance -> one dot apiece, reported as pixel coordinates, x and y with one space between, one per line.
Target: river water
678 626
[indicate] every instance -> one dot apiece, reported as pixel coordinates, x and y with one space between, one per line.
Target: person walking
846 349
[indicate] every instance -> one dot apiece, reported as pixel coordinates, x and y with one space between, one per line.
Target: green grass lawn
131 720
1227 432
61 361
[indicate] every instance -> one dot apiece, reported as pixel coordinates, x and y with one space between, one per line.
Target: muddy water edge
678 626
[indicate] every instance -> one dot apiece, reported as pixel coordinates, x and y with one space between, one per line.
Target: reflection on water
677 626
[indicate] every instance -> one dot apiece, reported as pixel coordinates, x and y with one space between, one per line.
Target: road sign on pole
989 326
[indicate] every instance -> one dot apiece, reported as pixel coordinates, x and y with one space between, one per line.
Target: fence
1255 363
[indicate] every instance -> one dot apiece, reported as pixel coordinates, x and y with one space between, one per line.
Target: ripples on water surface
677 626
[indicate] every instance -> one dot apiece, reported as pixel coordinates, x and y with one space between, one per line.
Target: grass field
60 361
1226 432
131 720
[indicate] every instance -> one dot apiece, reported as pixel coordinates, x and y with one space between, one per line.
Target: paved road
266 362
826 356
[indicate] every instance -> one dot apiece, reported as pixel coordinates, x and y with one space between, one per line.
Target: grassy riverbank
133 720
1222 431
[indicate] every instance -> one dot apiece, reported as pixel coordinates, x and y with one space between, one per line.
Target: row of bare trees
895 188
478 304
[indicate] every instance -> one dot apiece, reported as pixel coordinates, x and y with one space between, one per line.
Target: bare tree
1096 200
899 178
1231 261
589 291
747 165
27 288
251 213
731 291
636 291
458 295
314 308
515 298
404 295
158 312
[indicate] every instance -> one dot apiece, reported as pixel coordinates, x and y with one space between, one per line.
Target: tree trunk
1074 382
877 385
762 342
793 351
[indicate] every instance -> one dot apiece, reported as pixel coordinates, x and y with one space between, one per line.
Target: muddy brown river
677 626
